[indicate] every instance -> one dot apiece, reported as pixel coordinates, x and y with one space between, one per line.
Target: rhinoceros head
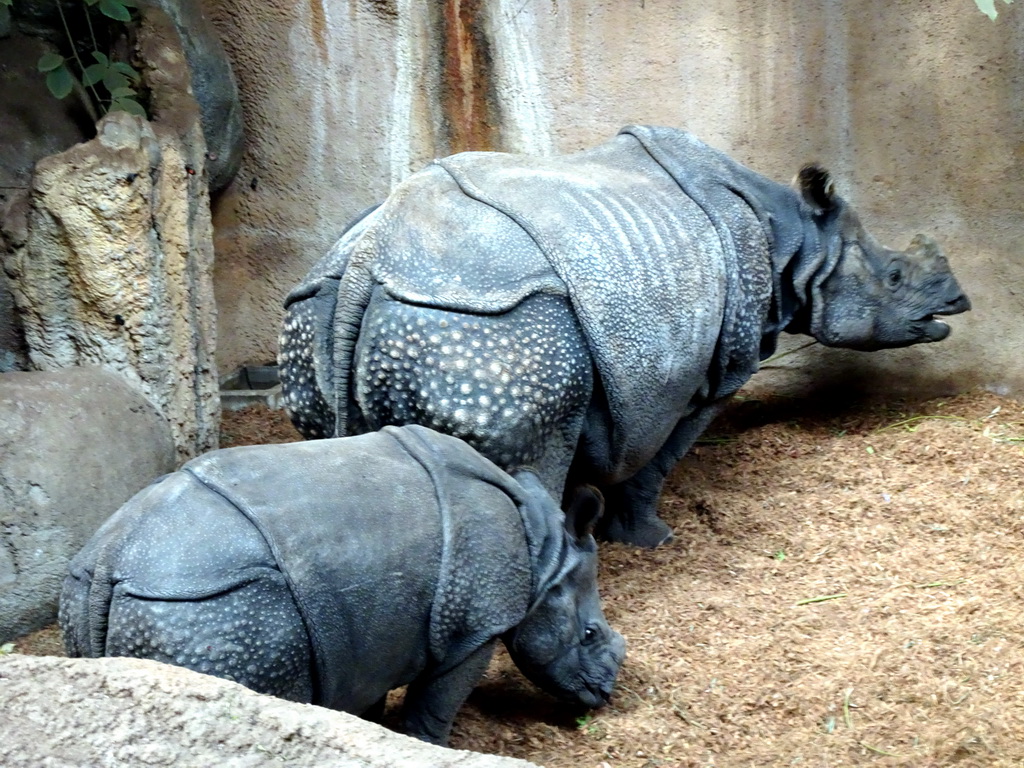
564 645
865 296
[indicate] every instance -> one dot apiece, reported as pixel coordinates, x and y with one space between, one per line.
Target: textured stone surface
126 712
118 262
25 108
213 85
74 446
916 112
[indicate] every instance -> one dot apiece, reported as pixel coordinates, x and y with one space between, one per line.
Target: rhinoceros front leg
633 504
431 702
633 510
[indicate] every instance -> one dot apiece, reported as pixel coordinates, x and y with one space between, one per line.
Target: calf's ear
817 189
584 511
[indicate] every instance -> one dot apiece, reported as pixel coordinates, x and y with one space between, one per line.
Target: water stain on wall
467 92
318 26
385 10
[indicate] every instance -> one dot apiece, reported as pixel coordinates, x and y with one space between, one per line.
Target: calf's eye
589 635
895 277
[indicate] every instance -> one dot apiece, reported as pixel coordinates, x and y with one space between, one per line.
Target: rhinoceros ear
816 187
584 511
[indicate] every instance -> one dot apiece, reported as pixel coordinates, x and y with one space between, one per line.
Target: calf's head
864 296
564 645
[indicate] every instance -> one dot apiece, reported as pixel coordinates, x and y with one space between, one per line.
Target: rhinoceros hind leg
304 343
375 712
253 635
632 511
515 385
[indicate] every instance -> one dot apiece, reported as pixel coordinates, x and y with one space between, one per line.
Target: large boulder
74 446
129 712
117 271
116 264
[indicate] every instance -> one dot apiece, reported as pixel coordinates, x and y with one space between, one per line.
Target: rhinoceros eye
895 277
589 635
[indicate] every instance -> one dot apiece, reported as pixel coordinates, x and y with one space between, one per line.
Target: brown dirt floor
845 588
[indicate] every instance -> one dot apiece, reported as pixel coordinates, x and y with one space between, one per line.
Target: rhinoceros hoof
648 533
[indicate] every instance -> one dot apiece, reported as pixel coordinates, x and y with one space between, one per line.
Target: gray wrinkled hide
328 572
588 314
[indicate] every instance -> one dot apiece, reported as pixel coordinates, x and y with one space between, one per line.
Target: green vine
118 80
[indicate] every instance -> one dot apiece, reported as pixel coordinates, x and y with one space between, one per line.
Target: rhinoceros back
669 284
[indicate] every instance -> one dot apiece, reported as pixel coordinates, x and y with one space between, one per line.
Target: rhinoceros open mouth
932 329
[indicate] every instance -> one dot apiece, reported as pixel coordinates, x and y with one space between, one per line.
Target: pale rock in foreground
130 712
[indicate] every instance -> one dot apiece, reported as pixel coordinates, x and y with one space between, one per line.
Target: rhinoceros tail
74 615
74 597
353 297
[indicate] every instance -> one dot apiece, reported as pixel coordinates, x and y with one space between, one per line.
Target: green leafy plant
588 724
988 7
118 80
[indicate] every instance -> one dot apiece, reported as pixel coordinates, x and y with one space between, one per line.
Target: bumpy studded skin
637 284
512 383
333 571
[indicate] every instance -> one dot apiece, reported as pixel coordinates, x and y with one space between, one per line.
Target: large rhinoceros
333 571
591 312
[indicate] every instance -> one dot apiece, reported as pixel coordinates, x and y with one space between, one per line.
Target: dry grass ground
845 588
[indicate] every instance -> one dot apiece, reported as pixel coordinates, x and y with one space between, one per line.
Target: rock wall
212 83
917 108
127 712
117 266
26 107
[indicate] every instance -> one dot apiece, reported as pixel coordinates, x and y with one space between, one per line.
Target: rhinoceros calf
331 572
591 312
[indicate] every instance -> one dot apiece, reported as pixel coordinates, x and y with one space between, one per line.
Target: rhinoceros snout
956 305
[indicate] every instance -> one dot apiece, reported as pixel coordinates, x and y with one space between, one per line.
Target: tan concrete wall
917 107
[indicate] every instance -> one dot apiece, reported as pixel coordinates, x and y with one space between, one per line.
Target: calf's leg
432 701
